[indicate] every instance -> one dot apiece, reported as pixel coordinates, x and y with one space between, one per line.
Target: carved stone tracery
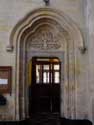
45 38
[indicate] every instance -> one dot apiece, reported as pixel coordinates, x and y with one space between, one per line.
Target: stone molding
72 42
49 13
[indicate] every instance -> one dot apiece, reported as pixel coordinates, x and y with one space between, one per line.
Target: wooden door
45 87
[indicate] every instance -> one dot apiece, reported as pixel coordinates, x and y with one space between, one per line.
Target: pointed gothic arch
52 20
49 13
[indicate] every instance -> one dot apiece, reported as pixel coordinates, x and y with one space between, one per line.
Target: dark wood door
45 87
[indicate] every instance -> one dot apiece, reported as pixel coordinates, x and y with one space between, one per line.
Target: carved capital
83 49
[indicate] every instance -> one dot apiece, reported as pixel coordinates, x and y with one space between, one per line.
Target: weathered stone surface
82 14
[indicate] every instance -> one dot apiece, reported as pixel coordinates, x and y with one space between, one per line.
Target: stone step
48 120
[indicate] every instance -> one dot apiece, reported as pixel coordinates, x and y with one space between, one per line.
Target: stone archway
67 40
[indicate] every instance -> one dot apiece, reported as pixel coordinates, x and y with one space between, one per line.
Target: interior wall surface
81 12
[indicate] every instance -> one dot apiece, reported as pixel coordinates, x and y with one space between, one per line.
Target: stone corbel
9 48
47 2
81 43
83 50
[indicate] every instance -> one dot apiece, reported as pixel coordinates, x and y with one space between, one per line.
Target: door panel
45 89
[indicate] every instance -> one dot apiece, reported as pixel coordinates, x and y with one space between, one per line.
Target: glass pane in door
38 74
46 74
56 67
56 77
45 77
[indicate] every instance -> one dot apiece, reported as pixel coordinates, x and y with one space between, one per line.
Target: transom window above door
47 70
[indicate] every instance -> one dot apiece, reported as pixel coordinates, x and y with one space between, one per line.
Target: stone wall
90 44
81 12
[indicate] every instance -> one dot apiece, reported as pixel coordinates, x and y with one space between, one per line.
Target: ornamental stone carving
45 38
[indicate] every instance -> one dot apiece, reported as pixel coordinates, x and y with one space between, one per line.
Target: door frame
61 56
